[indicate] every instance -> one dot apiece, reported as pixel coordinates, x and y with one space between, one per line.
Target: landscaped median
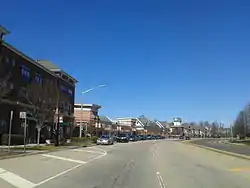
218 150
241 142
18 151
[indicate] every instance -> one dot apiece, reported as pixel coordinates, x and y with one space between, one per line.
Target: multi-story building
87 116
66 96
29 86
127 124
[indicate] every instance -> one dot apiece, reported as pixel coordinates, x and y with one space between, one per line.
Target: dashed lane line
160 180
89 151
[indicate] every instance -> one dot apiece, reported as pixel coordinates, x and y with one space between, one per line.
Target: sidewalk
18 146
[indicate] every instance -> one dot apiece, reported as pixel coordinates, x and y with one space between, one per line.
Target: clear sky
187 58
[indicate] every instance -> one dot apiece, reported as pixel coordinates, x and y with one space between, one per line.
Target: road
224 145
149 164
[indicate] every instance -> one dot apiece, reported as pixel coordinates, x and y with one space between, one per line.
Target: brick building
25 83
87 114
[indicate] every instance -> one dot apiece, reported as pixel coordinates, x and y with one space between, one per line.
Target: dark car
153 137
133 138
122 138
159 137
150 137
142 137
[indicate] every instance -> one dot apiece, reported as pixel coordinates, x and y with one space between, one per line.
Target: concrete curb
222 152
41 152
234 144
187 141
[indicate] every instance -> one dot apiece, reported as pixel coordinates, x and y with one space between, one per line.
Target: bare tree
5 77
214 128
239 124
43 98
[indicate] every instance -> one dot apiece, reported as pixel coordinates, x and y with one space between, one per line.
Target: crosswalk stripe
15 180
63 158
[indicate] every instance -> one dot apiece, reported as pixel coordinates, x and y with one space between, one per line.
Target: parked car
122 137
142 137
133 138
105 140
150 137
187 137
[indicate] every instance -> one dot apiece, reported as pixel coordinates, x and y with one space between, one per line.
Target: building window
63 88
13 62
66 90
25 72
7 60
22 92
70 91
61 107
38 78
11 86
69 108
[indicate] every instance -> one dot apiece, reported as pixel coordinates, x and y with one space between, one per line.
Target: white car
105 140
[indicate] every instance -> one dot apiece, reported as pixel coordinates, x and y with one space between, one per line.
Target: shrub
85 139
77 139
94 139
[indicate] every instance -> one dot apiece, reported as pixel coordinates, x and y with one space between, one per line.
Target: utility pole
57 114
231 128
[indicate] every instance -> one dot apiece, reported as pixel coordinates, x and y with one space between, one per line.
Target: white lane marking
63 158
160 180
15 180
64 172
98 157
88 151
53 177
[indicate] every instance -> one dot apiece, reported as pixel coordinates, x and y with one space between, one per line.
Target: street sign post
11 118
23 115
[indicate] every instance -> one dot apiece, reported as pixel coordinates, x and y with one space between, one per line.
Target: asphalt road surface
224 145
149 164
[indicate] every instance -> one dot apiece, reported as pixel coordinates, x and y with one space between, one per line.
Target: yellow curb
243 169
223 152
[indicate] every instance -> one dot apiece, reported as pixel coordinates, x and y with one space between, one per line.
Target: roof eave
4 30
60 70
27 58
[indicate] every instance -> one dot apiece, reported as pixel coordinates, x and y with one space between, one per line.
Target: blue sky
159 58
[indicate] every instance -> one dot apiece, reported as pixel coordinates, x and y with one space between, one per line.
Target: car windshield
123 135
105 137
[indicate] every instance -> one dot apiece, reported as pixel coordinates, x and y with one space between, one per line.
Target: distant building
177 121
127 124
86 113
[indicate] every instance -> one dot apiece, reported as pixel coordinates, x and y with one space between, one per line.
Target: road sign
22 115
61 119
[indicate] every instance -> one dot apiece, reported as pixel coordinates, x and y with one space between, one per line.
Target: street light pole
80 130
84 92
